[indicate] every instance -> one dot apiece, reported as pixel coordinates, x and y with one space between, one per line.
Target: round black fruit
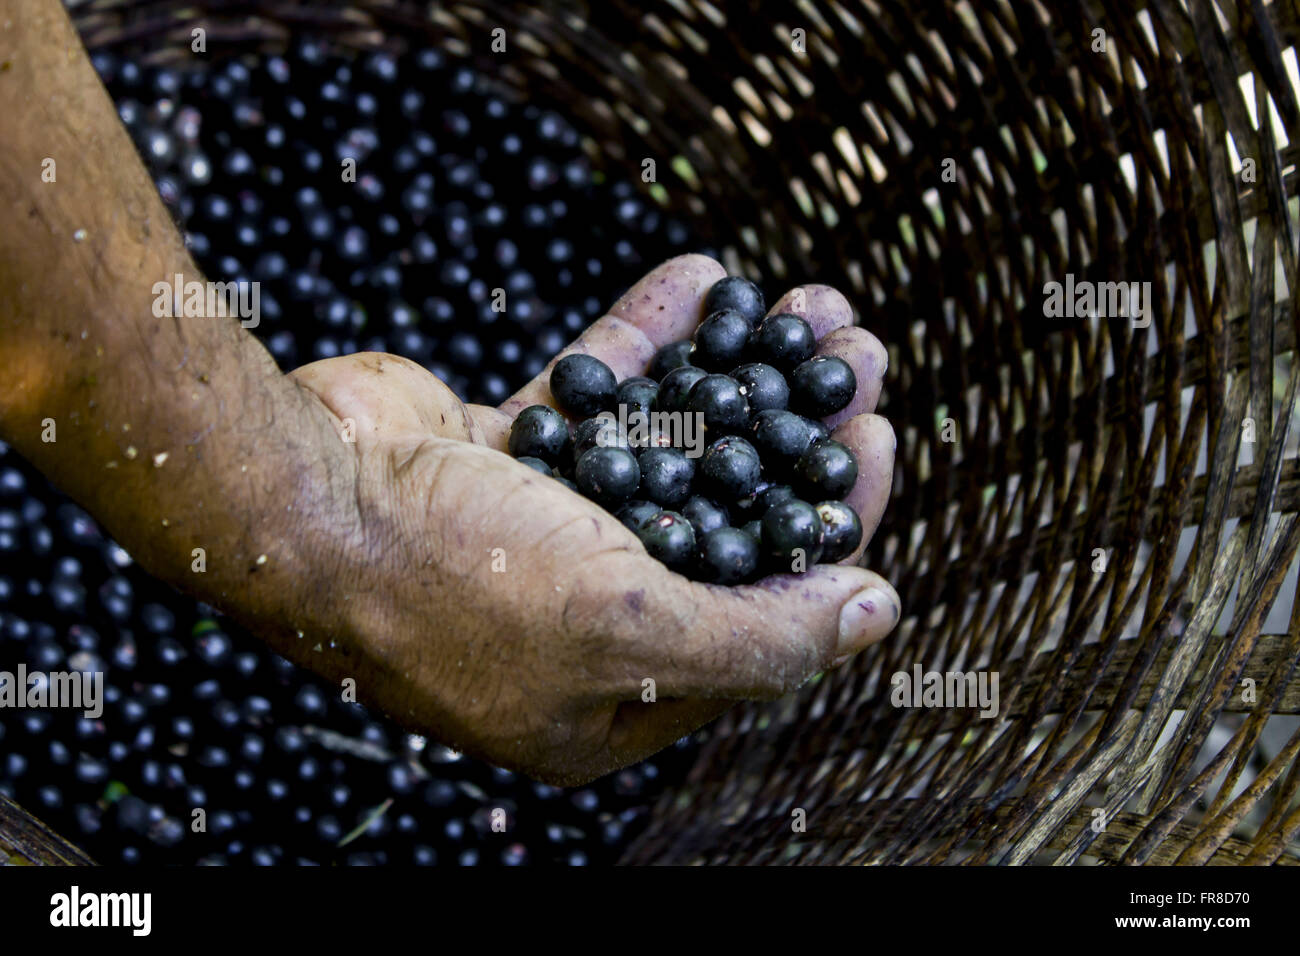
738 293
536 464
822 386
730 468
727 556
720 341
827 470
763 386
675 388
817 429
599 432
781 438
671 356
719 399
539 431
637 395
841 530
746 509
704 515
636 513
638 380
608 476
784 341
669 538
792 535
769 497
583 385
666 475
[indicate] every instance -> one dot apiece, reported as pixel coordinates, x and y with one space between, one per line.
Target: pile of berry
767 493
393 204
459 192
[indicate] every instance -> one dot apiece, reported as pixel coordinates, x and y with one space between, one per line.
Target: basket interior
1079 503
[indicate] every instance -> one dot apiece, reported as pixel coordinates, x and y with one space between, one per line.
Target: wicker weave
25 841
1110 157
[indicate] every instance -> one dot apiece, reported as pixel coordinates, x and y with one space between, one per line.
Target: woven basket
1100 511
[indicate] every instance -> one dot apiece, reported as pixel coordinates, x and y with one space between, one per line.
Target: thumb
765 640
754 642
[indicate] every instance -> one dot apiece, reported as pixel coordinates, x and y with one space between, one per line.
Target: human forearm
177 433
469 597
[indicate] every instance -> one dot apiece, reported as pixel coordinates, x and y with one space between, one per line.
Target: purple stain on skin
778 583
635 600
868 606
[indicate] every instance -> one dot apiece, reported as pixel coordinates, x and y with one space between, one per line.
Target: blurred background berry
383 203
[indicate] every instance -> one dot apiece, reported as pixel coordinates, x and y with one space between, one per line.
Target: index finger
663 307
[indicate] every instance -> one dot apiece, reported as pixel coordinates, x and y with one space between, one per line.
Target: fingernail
865 618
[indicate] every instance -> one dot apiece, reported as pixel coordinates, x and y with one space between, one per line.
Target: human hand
536 656
182 438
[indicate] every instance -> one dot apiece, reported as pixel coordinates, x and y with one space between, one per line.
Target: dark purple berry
841 530
784 341
792 536
827 470
720 341
781 438
608 476
636 513
722 404
637 395
536 464
817 429
666 475
539 431
638 380
730 469
822 386
727 556
599 432
704 515
669 538
583 385
763 386
671 356
675 388
739 294
764 499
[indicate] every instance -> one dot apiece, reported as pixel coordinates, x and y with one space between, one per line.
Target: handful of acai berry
717 458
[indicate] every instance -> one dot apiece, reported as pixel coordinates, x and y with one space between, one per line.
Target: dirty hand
515 620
